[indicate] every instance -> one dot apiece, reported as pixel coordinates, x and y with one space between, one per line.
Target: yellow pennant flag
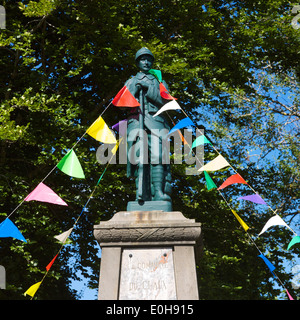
33 289
115 148
243 224
100 131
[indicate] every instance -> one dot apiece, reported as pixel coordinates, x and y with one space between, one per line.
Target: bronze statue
145 135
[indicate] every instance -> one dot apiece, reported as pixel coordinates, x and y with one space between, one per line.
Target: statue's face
145 62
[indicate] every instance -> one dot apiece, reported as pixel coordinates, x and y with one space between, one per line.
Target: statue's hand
143 84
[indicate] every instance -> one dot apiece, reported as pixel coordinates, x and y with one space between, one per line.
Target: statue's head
144 59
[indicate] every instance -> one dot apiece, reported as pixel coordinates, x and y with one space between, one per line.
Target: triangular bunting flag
100 131
164 92
216 164
295 240
200 140
45 194
274 221
209 182
172 105
236 178
290 297
240 220
267 262
33 289
186 122
254 198
115 148
64 236
121 127
71 166
124 98
182 137
51 263
157 74
8 229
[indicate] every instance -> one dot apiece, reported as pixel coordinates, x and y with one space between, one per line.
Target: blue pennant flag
267 262
8 229
186 122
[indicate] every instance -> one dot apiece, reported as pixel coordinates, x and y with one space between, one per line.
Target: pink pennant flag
290 297
45 194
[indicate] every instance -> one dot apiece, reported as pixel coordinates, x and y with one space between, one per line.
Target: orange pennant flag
51 263
182 137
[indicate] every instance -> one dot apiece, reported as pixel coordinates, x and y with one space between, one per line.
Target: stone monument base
148 255
149 206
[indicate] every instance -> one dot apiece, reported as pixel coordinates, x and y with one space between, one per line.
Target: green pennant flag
71 166
209 182
200 140
295 240
157 74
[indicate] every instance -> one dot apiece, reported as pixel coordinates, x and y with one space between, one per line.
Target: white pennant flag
274 221
216 164
172 105
64 236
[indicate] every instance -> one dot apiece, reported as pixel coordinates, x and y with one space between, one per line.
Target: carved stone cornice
147 227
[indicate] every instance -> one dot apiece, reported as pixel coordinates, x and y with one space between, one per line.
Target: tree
230 64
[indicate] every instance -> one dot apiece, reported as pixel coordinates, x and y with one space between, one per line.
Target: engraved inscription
147 274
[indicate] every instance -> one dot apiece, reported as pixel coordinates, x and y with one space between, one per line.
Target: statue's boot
138 196
157 181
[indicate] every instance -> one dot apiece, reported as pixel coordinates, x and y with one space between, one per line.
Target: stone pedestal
147 255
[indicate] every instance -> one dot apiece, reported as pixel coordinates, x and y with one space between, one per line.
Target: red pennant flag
164 93
236 178
124 98
51 263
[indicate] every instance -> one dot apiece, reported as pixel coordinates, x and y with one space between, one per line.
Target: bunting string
99 130
219 163
245 227
33 289
55 167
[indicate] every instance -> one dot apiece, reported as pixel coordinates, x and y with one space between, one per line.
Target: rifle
141 171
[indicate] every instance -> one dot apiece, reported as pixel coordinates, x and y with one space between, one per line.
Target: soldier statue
146 135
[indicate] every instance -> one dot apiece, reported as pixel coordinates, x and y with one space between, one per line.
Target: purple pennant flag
254 198
121 127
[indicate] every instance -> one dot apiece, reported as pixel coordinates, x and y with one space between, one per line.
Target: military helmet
143 51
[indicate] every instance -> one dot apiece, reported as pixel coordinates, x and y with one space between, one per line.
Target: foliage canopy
233 65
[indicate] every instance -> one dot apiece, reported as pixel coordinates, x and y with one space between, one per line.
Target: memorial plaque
147 274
